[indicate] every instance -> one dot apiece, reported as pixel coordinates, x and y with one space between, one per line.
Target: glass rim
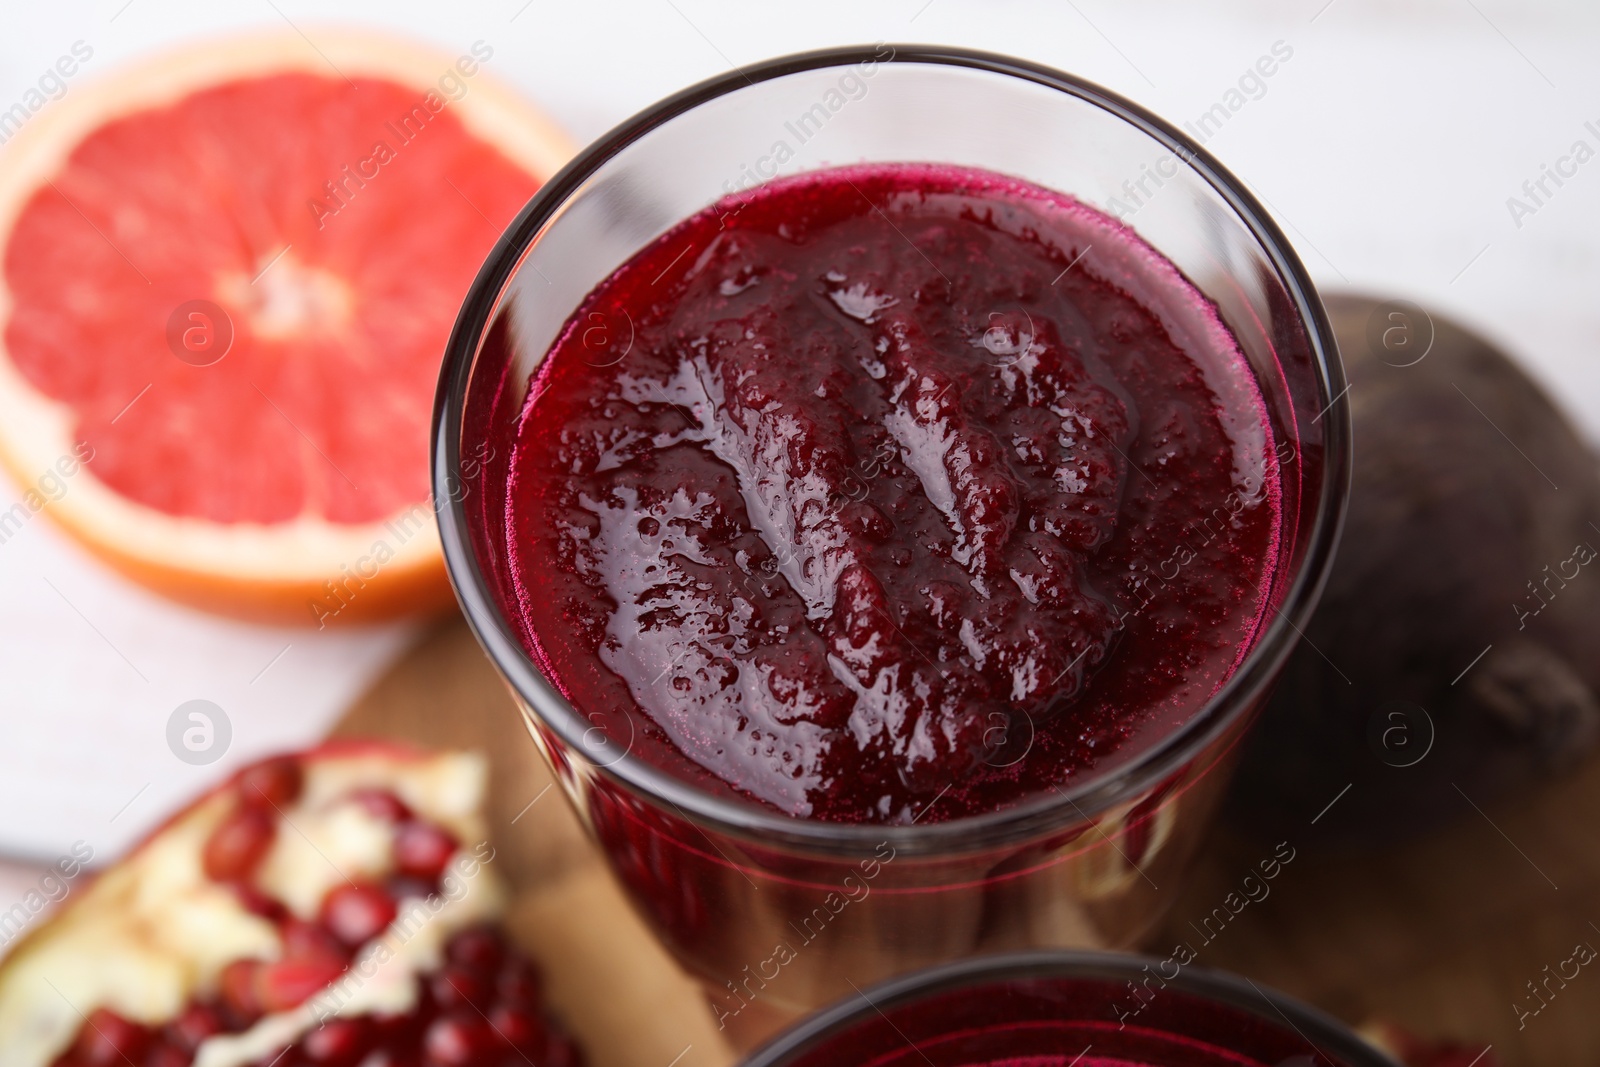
747 819
1320 1030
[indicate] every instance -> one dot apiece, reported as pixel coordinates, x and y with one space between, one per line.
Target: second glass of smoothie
1068 1009
888 530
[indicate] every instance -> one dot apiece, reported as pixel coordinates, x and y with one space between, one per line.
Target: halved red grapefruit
329 909
228 278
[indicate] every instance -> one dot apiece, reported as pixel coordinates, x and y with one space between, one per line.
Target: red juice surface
888 485
1061 1022
1060 1061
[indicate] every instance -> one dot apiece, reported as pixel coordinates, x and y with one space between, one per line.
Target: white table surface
1387 146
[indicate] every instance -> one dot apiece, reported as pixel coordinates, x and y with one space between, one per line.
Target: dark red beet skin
848 494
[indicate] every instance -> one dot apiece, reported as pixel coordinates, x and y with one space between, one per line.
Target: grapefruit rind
296 572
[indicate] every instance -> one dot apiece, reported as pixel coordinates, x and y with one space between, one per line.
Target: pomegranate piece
480 979
236 847
275 783
107 1038
422 849
357 913
458 1040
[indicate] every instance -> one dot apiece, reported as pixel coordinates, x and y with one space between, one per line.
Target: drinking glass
777 915
1051 1009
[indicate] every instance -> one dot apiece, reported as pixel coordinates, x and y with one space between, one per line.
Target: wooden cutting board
1440 935
619 993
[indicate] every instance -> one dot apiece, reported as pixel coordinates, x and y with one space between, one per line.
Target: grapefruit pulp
228 279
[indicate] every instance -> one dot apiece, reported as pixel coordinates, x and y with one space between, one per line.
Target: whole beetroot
1455 655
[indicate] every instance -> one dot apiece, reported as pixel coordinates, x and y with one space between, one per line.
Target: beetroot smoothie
1040 1011
892 493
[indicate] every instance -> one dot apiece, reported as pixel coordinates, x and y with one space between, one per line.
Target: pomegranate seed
522 1028
338 1043
422 849
561 1053
519 983
107 1038
193 1025
381 804
258 903
458 1040
357 913
456 987
286 984
403 886
391 1057
237 846
309 941
478 948
168 1056
240 1000
274 783
401 1032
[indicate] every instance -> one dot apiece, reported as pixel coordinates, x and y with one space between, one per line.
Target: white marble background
1387 146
